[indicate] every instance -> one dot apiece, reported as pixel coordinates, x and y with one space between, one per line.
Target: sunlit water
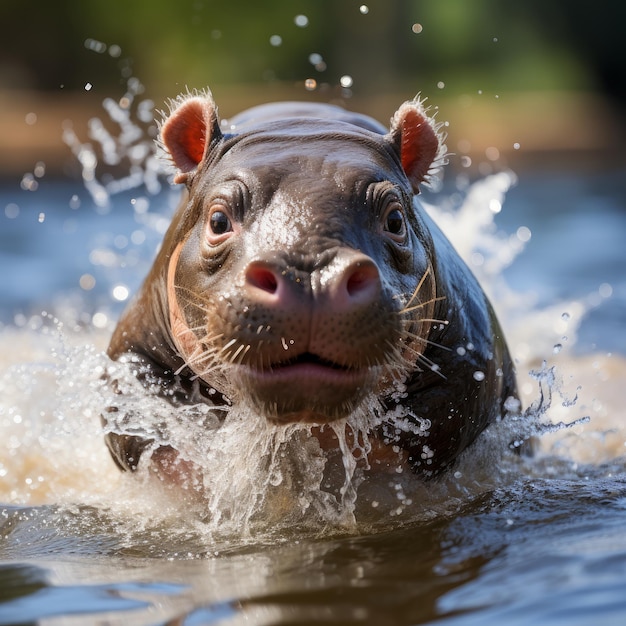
503 538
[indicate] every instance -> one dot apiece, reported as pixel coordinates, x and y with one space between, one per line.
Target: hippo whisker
403 366
201 353
410 306
204 354
428 342
196 299
200 359
419 287
241 350
247 349
430 365
397 364
231 343
421 305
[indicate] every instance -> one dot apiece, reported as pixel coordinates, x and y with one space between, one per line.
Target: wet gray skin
299 277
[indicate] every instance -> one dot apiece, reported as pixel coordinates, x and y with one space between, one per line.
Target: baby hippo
301 278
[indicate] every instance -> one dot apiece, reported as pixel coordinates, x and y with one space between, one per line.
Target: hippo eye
219 226
394 223
220 223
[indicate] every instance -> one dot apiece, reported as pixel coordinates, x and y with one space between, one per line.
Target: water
502 539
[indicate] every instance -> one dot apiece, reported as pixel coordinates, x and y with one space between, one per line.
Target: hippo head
300 277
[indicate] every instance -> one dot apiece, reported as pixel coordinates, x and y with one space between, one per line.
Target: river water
503 539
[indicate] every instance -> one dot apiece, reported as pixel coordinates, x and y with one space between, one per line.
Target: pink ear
188 132
418 142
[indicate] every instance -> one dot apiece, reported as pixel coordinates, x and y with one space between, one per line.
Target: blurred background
517 81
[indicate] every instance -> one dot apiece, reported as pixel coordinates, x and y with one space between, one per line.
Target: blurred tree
593 33
414 44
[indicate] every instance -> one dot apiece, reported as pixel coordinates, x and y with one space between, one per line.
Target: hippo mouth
309 359
305 388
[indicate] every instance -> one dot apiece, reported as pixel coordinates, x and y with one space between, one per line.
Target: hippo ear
418 141
188 133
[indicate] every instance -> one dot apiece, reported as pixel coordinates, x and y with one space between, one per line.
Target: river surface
504 539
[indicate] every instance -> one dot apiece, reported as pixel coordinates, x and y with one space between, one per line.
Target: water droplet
87 282
88 86
495 206
40 169
276 40
301 21
28 182
95 46
565 316
364 9
138 237
466 161
140 205
460 350
315 58
99 320
41 217
605 290
557 348
441 84
417 28
120 242
310 84
11 210
346 81
516 146
477 259
523 233
478 375
276 478
495 40
115 51
74 202
31 118
120 293
492 153
512 404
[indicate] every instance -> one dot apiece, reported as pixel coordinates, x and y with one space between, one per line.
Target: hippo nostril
262 277
362 282
362 279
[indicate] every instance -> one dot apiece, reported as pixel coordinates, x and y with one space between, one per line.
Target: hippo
301 277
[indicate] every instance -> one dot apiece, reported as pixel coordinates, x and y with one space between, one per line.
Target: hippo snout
317 335
344 286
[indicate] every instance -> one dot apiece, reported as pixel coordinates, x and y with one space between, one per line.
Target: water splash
253 480
51 446
129 148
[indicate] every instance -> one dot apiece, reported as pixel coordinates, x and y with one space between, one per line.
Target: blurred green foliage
458 45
